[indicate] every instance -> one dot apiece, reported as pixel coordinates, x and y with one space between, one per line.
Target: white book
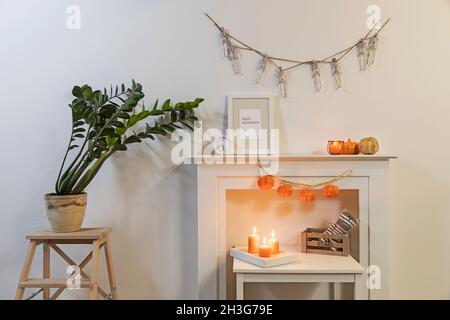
283 257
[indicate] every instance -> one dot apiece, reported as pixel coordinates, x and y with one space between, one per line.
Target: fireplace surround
216 178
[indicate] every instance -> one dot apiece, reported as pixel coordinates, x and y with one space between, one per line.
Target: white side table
307 268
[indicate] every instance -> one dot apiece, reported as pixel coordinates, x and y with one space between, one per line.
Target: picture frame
251 111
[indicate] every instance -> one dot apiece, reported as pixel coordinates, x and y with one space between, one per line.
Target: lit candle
264 249
274 244
253 242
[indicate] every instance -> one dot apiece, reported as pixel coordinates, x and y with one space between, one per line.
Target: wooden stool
97 237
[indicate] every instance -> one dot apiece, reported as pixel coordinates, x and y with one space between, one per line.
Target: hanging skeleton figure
315 72
226 44
282 83
235 59
371 50
230 52
361 51
336 73
261 70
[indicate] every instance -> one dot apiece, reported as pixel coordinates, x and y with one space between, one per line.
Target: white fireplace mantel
369 177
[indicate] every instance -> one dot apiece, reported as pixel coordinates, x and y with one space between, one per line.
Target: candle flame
254 229
264 240
273 234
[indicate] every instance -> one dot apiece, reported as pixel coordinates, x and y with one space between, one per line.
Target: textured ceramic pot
65 213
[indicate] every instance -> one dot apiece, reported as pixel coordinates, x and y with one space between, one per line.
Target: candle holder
335 147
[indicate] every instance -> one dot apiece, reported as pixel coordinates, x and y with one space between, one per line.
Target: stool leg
26 269
46 268
110 267
94 273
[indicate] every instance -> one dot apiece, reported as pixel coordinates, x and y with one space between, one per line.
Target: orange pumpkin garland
330 191
285 191
266 182
307 195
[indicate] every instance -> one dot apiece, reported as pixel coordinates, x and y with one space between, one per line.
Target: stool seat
82 234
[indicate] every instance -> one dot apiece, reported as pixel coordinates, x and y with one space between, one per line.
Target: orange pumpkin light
285 191
350 147
307 195
266 182
330 191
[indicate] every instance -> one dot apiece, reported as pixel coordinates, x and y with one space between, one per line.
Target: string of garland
366 49
285 188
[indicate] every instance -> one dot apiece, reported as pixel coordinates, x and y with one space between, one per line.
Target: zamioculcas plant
102 124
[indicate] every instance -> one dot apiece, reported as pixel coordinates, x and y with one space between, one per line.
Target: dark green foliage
100 123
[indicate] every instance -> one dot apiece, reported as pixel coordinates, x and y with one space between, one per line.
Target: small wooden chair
97 237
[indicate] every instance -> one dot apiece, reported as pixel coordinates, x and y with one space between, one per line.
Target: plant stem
62 164
90 174
77 157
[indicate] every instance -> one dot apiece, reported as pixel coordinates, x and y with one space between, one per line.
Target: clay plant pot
65 213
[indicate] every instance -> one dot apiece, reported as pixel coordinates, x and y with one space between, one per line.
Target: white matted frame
261 105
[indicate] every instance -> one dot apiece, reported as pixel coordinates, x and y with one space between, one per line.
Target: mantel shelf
291 157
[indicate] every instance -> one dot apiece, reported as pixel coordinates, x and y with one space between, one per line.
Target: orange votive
264 250
253 242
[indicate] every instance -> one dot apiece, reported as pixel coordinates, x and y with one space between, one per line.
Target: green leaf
121 131
132 139
78 130
79 135
156 112
86 92
173 116
155 106
166 106
123 115
133 120
144 114
187 125
76 92
117 124
120 147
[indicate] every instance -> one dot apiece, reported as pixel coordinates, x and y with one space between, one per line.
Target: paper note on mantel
250 119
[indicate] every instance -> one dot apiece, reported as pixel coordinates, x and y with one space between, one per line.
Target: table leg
239 286
336 290
358 288
94 274
46 268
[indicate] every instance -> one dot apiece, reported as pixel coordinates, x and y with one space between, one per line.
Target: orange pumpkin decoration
307 195
285 191
266 182
330 191
350 147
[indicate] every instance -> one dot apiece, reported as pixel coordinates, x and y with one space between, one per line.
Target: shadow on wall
148 201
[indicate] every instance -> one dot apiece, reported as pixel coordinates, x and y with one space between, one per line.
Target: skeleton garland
366 49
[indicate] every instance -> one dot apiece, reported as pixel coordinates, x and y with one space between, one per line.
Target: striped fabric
343 226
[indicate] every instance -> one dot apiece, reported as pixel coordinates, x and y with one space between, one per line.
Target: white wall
171 48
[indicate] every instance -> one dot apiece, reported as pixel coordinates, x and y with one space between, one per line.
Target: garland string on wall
365 47
285 189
